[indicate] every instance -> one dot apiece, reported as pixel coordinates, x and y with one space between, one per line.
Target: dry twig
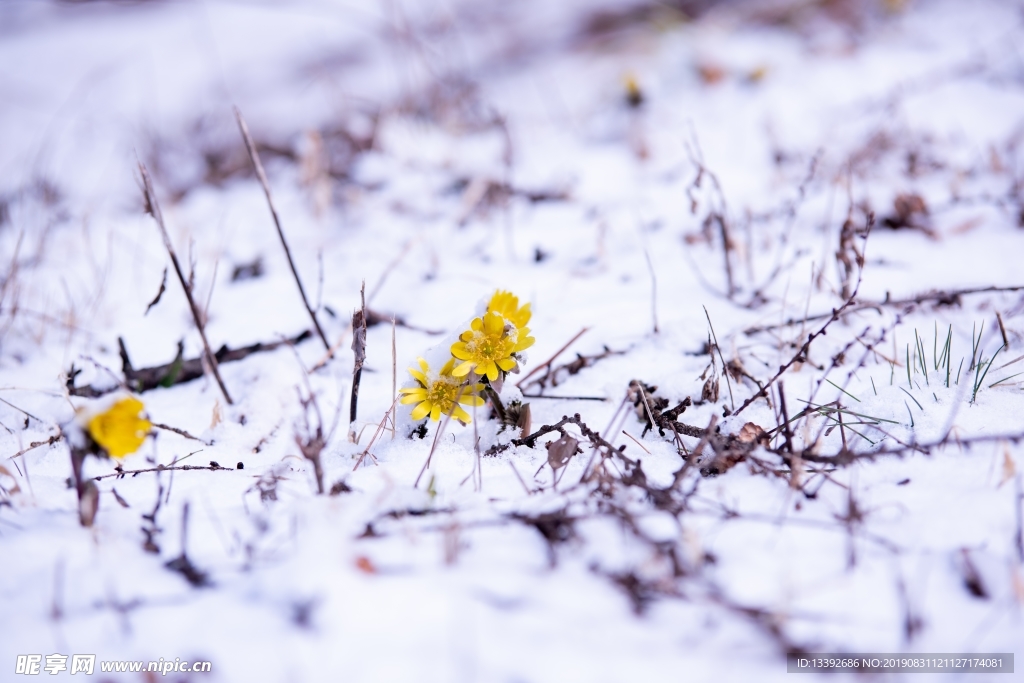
153 209
254 155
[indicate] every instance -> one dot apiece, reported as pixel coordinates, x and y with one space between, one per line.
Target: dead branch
312 442
847 457
573 367
254 156
159 294
176 372
181 432
801 354
940 297
122 473
36 444
549 361
359 351
153 209
725 366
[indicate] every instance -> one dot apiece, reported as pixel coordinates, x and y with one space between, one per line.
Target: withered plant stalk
153 209
254 155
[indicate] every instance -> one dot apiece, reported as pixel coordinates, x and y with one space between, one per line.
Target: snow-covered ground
642 172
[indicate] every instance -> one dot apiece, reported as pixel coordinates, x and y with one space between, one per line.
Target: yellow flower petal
421 411
488 368
488 345
119 430
460 351
522 316
440 394
524 344
462 369
506 304
493 324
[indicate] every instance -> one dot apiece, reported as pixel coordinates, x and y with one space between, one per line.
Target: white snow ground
802 114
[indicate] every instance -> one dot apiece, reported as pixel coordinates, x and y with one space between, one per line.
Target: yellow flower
489 344
119 429
506 304
440 395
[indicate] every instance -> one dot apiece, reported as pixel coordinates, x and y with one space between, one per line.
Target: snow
453 579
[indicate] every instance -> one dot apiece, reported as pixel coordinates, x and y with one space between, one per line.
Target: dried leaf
909 212
971 577
710 73
248 271
340 487
359 338
88 503
752 433
561 450
159 294
1009 469
710 390
6 472
195 576
907 205
524 420
123 503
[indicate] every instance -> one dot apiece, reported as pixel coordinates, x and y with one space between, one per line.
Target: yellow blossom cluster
120 430
488 349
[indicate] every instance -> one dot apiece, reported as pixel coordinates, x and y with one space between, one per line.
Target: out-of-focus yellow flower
488 345
440 395
120 430
506 304
634 95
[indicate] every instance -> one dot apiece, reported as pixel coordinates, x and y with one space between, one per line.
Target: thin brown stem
725 368
437 437
654 290
153 209
800 355
163 468
942 298
254 155
394 379
180 432
549 361
359 353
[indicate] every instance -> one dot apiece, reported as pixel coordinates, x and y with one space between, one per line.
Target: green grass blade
912 398
843 390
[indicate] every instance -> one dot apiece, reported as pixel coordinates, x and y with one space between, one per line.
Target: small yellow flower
506 304
119 430
489 344
440 395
